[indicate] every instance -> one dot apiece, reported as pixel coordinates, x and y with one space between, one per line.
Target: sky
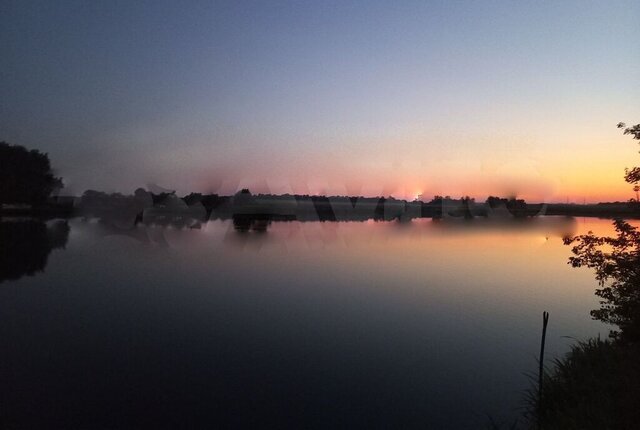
348 97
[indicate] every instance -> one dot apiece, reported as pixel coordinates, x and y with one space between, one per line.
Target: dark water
306 325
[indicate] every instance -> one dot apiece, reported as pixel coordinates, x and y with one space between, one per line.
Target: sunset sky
372 97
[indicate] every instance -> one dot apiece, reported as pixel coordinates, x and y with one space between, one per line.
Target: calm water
314 325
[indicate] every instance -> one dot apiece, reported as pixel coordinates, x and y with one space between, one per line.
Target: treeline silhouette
26 178
253 212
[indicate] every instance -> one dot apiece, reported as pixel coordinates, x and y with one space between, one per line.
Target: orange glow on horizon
557 166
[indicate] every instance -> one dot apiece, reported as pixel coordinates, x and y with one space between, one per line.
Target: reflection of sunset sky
422 248
465 268
353 98
442 313
427 261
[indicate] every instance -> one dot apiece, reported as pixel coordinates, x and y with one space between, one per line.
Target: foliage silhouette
632 175
597 384
616 261
25 175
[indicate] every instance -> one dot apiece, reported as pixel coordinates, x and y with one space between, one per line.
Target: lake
423 324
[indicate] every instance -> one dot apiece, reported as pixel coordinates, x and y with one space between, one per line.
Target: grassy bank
595 386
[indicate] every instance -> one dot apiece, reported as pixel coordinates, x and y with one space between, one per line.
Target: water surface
314 325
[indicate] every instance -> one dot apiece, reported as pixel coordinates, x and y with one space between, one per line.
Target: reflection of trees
245 223
25 246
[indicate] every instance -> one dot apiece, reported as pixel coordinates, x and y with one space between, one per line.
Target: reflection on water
289 324
244 224
25 246
563 226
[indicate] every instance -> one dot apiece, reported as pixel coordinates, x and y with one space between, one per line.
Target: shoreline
312 208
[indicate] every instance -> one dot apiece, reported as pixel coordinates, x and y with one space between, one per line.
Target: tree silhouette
25 175
632 175
616 262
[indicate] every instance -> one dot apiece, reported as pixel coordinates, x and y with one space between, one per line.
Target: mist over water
364 324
